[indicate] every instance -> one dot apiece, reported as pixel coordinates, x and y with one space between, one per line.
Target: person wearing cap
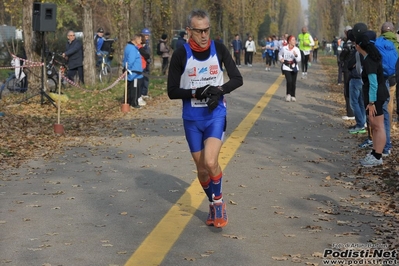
387 32
146 81
181 40
343 69
375 94
164 47
98 43
132 58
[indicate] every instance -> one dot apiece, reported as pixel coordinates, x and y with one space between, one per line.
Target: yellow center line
162 238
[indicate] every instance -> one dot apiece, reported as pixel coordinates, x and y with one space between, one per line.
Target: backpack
159 52
108 47
389 55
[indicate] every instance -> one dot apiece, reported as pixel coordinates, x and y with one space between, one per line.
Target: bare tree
88 43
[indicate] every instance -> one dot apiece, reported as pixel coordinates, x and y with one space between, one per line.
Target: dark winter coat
74 52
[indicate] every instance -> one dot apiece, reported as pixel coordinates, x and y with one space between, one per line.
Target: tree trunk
33 46
89 64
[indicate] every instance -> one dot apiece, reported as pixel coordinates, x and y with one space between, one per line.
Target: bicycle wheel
53 85
105 73
17 89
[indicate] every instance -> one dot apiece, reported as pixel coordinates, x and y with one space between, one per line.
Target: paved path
289 187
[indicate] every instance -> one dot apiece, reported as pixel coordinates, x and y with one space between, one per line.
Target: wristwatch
193 93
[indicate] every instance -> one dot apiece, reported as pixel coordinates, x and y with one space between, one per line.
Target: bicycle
104 69
53 73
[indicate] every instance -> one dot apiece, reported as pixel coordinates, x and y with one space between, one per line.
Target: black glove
215 91
202 92
213 102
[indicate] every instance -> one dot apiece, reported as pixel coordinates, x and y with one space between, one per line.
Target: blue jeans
387 124
356 101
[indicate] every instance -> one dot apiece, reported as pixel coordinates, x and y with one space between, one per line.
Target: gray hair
196 13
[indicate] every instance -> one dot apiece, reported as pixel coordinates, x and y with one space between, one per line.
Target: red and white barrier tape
115 82
14 67
28 62
105 89
36 64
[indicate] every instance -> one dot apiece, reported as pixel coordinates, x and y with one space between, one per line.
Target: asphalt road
133 196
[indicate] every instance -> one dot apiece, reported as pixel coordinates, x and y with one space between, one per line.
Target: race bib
196 102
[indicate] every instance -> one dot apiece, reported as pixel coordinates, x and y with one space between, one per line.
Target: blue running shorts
198 131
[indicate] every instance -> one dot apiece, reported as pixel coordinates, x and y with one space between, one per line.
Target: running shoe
370 161
357 130
220 214
211 215
141 102
386 153
293 99
366 144
345 117
288 98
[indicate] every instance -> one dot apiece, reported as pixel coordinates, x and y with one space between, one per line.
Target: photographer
355 84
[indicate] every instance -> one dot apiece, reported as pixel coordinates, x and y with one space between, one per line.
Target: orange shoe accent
220 215
211 215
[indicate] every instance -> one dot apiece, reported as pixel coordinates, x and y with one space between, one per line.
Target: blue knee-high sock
216 186
208 189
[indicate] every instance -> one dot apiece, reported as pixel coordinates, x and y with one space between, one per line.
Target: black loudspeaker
44 17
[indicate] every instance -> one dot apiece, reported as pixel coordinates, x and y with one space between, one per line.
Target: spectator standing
204 106
245 51
349 57
145 56
387 32
174 41
237 48
164 47
375 94
181 40
250 49
305 46
146 72
132 57
344 71
290 56
74 56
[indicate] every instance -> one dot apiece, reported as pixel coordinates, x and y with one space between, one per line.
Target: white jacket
250 46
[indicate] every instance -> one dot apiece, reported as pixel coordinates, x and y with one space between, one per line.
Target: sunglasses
201 31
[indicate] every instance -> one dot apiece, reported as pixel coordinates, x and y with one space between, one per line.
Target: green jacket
305 41
391 36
